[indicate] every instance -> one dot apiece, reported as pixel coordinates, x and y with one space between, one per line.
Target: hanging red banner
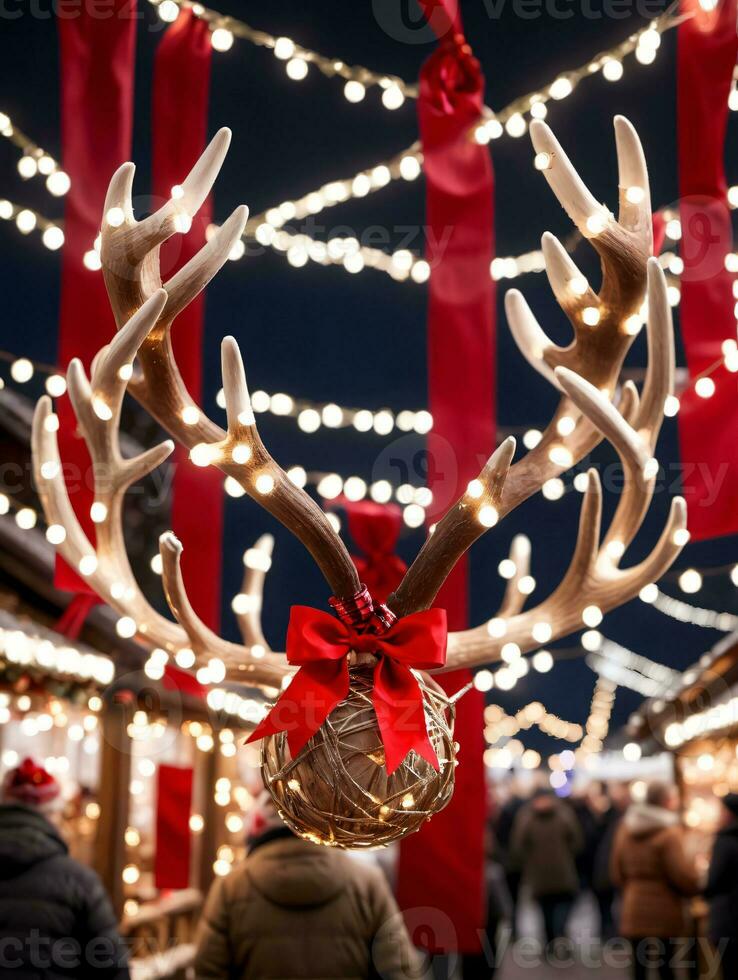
173 805
180 124
97 62
442 866
707 51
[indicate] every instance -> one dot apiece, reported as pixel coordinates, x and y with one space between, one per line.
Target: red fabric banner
180 122
173 805
708 432
97 61
374 529
442 866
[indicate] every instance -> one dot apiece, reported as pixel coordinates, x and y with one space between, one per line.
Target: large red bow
319 644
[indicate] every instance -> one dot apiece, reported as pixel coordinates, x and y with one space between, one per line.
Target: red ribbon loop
319 645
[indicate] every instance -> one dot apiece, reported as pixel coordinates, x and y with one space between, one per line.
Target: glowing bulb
680 536
543 661
516 125
560 88
308 420
182 222
671 406
58 183
542 632
56 534
649 593
202 454
591 316
704 387
25 221
115 217
354 91
297 475
413 515
53 238
330 486
21 370
560 456
526 585
98 512
612 69
507 568
488 515
596 224
553 489
690 581
592 616
392 97
264 483
168 11
27 167
126 627
87 565
241 453
92 261
25 518
542 161
221 39
409 168
190 415
296 69
284 48
531 438
475 489
635 195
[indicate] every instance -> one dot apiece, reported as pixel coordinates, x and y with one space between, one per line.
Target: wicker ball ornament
337 790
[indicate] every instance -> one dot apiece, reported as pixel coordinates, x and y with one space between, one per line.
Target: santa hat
31 785
262 818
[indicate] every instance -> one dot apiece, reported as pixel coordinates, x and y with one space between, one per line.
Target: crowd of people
632 857
293 909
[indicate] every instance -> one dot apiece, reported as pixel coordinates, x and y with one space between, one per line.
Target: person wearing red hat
56 920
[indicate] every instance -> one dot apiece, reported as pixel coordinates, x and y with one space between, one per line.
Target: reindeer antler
604 325
130 261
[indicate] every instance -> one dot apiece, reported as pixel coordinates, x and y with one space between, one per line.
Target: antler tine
238 662
130 259
514 600
258 561
472 515
265 481
105 565
593 581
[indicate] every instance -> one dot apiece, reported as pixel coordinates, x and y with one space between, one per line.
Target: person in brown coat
650 867
299 910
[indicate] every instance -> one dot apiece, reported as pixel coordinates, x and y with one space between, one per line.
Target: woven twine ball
337 791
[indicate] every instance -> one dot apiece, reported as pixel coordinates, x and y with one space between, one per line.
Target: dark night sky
305 331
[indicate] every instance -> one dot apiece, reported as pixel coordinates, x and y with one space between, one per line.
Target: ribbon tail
398 703
313 693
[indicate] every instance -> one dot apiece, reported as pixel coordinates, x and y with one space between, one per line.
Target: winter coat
722 885
650 867
606 830
545 841
299 910
56 922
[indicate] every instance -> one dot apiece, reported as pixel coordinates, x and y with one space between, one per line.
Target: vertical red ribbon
97 62
180 121
173 805
708 430
374 529
442 866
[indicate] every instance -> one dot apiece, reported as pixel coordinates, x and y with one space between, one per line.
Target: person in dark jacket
56 921
616 803
546 840
722 889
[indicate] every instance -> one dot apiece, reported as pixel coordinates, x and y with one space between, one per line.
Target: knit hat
31 785
730 802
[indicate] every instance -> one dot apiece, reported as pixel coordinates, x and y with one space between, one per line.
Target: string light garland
26 221
685 612
407 165
35 161
296 59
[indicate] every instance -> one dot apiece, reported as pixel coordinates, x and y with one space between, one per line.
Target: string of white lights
34 159
685 612
407 164
297 59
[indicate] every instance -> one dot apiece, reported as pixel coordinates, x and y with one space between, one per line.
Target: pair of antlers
585 372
